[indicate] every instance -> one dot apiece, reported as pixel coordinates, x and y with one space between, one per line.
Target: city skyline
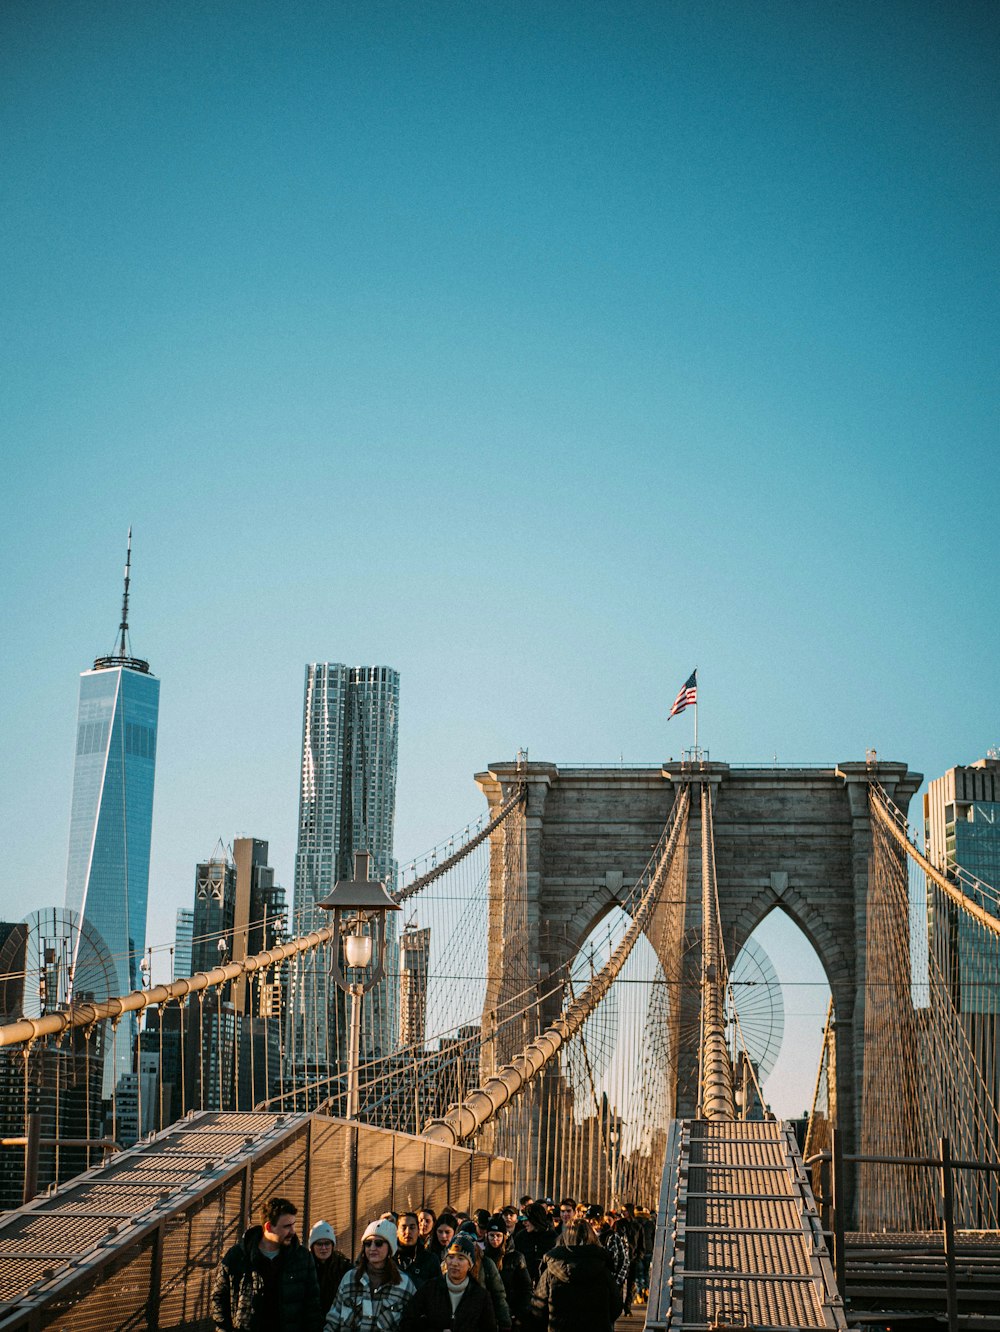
545 354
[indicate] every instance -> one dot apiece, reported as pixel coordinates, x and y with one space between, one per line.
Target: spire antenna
123 627
122 653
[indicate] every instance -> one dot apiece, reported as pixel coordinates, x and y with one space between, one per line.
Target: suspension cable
85 1014
450 862
481 1105
893 821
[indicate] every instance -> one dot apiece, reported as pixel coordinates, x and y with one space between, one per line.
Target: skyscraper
214 911
183 942
107 872
347 802
962 833
962 820
258 918
414 964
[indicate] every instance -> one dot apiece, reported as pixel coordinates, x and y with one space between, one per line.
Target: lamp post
359 907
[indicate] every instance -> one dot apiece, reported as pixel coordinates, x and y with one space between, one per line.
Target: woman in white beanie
372 1296
331 1264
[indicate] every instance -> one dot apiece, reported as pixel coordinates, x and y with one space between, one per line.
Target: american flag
688 694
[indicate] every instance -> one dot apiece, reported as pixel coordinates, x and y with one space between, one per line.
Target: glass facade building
183 942
347 802
962 839
107 874
962 830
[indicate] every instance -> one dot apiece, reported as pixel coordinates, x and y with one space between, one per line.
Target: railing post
155 1279
837 1203
353 1140
826 1211
247 1195
32 1150
948 1221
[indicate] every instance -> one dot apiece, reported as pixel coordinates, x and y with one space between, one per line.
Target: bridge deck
739 1239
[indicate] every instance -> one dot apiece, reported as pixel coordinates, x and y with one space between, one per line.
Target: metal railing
828 1187
136 1242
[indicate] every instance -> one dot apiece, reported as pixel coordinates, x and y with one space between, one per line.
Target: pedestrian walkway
635 1322
739 1237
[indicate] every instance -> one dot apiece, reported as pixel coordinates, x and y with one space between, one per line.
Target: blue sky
541 351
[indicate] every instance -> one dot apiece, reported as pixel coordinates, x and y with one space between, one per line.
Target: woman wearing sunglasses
372 1296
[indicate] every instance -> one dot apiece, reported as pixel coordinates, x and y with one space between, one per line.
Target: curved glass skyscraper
107 873
347 803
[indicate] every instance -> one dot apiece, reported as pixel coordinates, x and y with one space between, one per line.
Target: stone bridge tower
797 839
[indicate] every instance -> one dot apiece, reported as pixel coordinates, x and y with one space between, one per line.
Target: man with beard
267 1282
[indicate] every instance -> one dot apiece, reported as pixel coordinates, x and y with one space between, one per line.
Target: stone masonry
795 839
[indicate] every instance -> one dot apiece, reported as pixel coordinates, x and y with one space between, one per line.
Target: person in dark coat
632 1234
455 1301
411 1256
576 1290
488 1275
512 1267
331 1264
267 1282
536 1238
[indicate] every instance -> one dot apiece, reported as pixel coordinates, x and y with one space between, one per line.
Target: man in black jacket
536 1238
267 1282
634 1236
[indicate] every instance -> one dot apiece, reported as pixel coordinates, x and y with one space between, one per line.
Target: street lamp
359 907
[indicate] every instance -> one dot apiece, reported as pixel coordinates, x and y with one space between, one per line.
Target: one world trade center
107 874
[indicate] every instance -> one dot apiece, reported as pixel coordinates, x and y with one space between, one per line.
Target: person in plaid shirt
373 1295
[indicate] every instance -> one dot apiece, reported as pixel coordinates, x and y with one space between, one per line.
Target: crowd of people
530 1268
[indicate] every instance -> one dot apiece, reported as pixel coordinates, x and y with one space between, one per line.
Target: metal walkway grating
103 1217
738 1238
134 1243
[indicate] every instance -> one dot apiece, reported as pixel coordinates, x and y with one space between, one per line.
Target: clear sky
542 351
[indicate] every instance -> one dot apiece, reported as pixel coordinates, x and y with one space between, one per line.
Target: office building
414 963
962 820
259 910
107 872
183 938
137 1100
962 839
214 911
231 1044
58 1078
962 832
347 802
